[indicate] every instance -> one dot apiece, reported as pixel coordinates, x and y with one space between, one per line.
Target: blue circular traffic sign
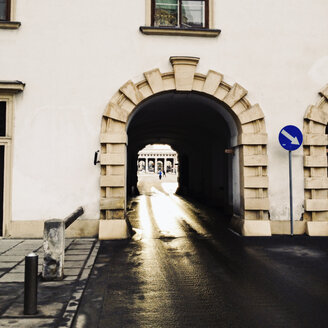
290 137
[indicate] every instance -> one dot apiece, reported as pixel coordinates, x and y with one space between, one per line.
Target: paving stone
5 265
75 257
12 277
70 278
26 323
21 269
9 258
85 247
71 272
53 296
52 309
77 252
17 252
73 264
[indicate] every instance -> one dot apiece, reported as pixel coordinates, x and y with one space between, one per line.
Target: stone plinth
54 249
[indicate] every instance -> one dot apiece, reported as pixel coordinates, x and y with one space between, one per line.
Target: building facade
215 79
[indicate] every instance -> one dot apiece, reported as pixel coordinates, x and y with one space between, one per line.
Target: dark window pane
3 106
193 13
166 13
3 10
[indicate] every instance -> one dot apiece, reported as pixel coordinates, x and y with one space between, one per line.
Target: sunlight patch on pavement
166 213
170 187
145 222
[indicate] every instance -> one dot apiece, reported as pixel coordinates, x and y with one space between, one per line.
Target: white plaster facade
74 56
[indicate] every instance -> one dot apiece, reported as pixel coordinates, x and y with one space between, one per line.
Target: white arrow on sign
294 140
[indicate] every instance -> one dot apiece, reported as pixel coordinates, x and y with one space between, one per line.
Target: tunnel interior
200 129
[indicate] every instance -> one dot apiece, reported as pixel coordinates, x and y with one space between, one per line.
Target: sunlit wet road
183 269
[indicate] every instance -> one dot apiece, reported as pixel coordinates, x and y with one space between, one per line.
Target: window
7 14
3 116
4 10
180 17
180 13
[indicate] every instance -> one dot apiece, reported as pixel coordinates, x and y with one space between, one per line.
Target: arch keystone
184 71
154 79
213 79
131 92
236 93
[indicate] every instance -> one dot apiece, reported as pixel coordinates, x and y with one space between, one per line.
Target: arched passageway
199 129
219 116
315 166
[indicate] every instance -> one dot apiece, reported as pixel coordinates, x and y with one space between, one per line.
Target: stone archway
252 141
315 166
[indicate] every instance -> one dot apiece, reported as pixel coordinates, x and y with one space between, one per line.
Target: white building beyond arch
157 153
250 143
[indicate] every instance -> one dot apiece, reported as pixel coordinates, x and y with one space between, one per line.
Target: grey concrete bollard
54 249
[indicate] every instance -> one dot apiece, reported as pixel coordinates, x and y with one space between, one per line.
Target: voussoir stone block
113 138
257 204
256 160
116 113
316 183
315 161
315 139
213 79
112 181
131 92
112 159
324 91
253 139
155 81
316 114
236 93
113 203
316 205
54 249
252 114
256 182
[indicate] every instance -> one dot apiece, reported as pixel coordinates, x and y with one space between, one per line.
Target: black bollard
31 284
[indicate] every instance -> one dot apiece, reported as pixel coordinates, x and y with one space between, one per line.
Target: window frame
8 12
10 23
6 142
8 90
207 16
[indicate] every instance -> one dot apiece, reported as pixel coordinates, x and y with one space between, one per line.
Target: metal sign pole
290 138
291 193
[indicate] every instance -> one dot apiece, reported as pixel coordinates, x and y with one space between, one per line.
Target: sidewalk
57 300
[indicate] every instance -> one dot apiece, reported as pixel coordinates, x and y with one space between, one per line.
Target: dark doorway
197 128
2 169
2 159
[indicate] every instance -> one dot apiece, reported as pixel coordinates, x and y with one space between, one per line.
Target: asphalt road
183 268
